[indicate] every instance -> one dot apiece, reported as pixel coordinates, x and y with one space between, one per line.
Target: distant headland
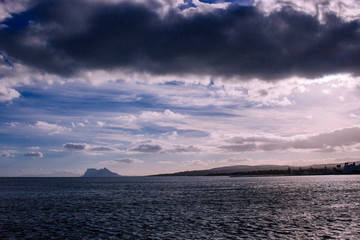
274 170
92 172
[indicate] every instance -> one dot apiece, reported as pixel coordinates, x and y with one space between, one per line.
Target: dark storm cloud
67 36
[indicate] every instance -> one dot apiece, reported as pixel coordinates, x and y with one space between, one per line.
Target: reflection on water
305 207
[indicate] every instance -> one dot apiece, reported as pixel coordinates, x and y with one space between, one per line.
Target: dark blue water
314 207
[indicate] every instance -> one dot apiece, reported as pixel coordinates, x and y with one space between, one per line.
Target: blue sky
155 87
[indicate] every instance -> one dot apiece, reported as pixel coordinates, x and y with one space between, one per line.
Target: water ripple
314 207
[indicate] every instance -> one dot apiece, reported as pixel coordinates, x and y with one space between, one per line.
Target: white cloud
8 94
170 135
127 121
159 116
77 124
326 91
353 115
136 121
302 89
18 75
9 7
51 128
80 124
270 94
100 124
346 9
165 162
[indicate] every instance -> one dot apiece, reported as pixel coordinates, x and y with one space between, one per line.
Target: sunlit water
314 207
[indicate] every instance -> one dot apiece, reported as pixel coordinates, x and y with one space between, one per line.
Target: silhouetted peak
93 172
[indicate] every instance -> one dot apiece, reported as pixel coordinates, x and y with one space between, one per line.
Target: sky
161 86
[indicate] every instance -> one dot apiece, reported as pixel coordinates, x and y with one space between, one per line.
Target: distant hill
261 169
228 170
92 172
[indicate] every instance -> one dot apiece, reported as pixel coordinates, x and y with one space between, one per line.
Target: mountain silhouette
92 172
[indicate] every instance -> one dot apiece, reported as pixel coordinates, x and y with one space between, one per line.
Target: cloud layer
34 154
4 154
78 147
324 142
234 41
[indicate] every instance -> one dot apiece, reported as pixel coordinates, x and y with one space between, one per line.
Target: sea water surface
303 207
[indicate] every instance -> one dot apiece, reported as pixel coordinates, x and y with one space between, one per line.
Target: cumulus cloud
100 124
140 36
166 115
34 154
51 128
322 142
148 117
8 94
9 8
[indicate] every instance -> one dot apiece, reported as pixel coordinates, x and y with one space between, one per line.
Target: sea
288 207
